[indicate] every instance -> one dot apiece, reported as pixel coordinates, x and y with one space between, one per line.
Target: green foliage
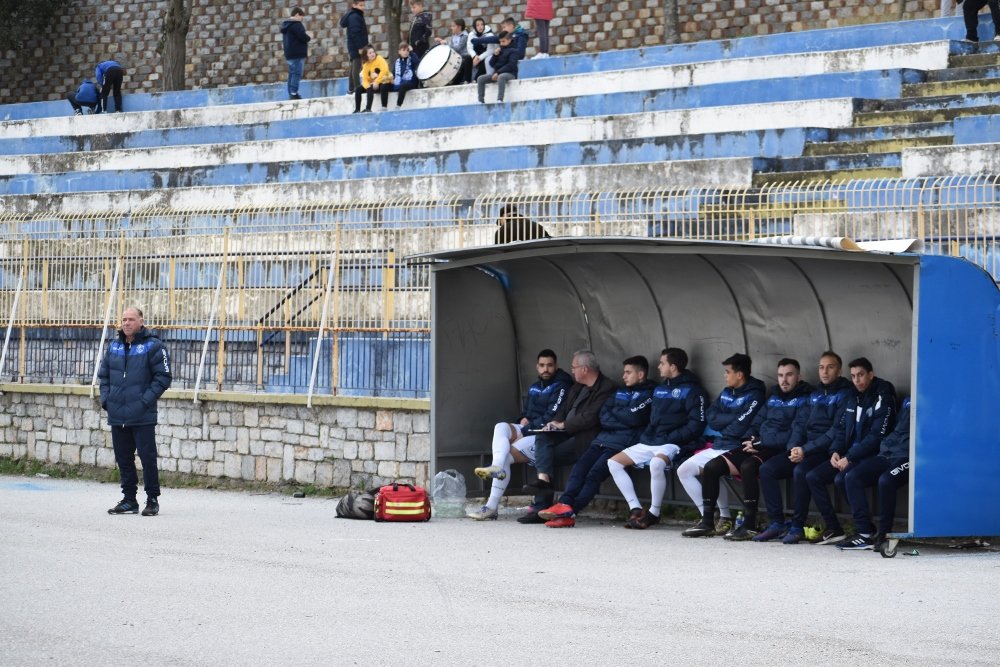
21 20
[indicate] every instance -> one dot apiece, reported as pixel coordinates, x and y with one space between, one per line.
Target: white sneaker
539 56
996 37
484 513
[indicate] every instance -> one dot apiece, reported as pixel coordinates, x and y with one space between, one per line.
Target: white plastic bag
448 494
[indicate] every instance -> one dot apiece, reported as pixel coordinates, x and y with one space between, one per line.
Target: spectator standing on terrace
459 42
970 12
404 73
353 23
87 95
295 41
134 374
540 11
504 63
375 78
420 28
109 75
479 51
512 226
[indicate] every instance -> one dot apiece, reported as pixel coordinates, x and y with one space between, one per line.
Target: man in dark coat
134 374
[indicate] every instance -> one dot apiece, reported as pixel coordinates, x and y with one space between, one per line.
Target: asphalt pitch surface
231 578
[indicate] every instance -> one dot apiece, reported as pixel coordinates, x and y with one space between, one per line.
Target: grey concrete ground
238 579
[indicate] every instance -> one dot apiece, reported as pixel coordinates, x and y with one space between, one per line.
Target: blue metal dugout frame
930 324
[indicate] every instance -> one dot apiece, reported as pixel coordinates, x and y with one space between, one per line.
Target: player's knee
657 466
615 466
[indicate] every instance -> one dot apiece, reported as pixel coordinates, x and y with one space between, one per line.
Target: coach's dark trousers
127 440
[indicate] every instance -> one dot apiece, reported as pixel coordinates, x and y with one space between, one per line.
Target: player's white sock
624 483
724 511
657 483
501 443
499 485
687 473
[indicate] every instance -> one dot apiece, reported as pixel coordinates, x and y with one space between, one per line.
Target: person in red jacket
540 11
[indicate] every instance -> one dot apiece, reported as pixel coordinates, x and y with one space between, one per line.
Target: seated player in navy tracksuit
869 417
676 422
510 442
808 446
623 418
768 436
890 469
730 416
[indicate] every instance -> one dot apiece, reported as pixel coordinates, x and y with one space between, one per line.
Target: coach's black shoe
704 528
537 487
530 517
125 506
152 507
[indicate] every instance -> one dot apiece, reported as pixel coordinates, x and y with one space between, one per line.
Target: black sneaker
740 534
536 487
530 517
857 542
125 506
705 528
633 516
832 536
152 507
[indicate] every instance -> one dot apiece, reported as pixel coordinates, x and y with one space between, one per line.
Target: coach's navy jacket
896 445
867 419
625 415
733 412
775 422
826 407
677 416
545 398
133 376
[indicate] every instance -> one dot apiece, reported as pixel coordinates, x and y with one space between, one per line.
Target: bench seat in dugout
929 324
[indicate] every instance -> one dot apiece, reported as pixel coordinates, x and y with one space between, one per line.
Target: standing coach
134 374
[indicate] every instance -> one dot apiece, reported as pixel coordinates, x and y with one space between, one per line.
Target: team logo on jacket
676 393
140 349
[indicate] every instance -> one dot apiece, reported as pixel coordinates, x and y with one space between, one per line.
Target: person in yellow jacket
375 77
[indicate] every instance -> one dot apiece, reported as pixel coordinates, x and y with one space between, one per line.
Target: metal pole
208 333
107 323
322 330
10 322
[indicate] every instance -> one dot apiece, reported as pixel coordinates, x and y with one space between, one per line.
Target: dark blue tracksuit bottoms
889 474
128 440
779 467
588 473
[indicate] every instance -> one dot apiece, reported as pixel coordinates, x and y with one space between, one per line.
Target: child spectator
109 75
518 37
420 28
459 42
375 77
478 52
86 95
353 22
504 63
540 11
405 73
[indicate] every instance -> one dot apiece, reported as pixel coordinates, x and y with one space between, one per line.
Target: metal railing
318 298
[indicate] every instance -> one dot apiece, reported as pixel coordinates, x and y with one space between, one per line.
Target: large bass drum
439 66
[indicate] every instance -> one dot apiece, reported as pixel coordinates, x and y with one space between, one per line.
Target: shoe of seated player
773 531
561 522
647 520
633 516
491 472
723 525
530 517
857 542
538 486
832 536
793 536
125 506
484 513
704 528
557 511
740 534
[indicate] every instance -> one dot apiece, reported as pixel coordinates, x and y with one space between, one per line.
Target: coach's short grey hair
586 358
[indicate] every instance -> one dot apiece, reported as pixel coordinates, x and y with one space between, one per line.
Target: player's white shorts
643 454
526 446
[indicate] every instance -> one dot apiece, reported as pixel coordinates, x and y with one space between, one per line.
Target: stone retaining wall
341 443
237 43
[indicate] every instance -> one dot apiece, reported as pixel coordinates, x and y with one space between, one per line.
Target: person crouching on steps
375 77
504 62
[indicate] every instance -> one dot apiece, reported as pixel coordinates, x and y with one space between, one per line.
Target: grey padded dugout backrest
495 308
